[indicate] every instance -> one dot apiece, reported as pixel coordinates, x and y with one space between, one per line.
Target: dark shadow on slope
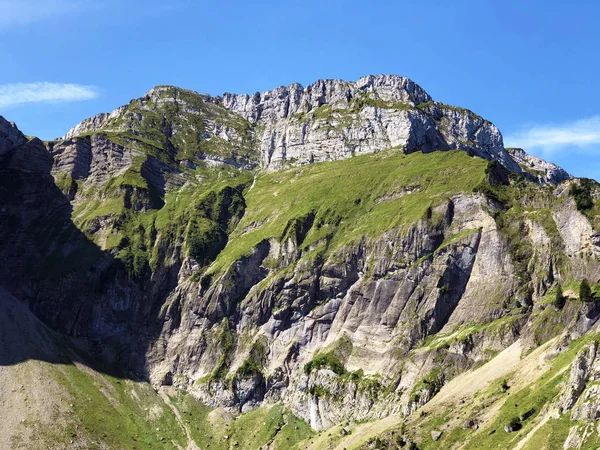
51 272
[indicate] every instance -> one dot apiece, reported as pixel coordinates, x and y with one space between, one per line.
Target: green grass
197 217
349 198
535 396
117 413
552 434
325 361
110 412
456 238
269 425
131 177
547 324
87 211
506 404
292 433
64 182
206 433
257 428
496 327
178 123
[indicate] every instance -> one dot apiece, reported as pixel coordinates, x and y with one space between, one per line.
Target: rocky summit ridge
333 119
274 270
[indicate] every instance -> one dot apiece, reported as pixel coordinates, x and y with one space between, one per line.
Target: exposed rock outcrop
537 168
10 136
327 120
580 371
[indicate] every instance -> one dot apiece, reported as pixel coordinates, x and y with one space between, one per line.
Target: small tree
559 300
585 292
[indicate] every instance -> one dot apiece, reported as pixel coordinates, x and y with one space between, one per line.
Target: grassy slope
116 412
215 429
179 120
92 410
535 385
360 197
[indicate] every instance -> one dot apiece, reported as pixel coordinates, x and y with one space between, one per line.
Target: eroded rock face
382 296
382 314
581 394
93 123
334 119
283 102
580 371
537 168
330 120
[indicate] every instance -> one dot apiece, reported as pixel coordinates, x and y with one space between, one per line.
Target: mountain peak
290 125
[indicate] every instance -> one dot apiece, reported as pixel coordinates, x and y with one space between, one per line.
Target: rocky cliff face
334 119
329 120
345 249
537 168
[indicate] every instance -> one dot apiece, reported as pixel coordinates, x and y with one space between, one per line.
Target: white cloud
549 139
23 12
21 93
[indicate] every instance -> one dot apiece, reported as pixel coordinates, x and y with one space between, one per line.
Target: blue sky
530 67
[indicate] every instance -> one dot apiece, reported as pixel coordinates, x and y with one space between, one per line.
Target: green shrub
319 391
254 364
559 300
357 375
249 369
325 361
513 425
585 292
582 193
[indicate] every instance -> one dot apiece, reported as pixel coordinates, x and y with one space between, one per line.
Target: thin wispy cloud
582 134
23 12
44 92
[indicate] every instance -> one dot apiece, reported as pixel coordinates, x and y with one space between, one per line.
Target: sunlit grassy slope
346 200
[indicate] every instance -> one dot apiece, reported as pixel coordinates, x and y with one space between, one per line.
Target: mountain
312 258
327 120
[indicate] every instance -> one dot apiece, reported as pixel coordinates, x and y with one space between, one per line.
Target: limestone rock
334 119
327 120
580 371
537 168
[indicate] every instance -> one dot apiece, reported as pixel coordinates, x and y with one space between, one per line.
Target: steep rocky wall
334 119
328 120
382 298
539 169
